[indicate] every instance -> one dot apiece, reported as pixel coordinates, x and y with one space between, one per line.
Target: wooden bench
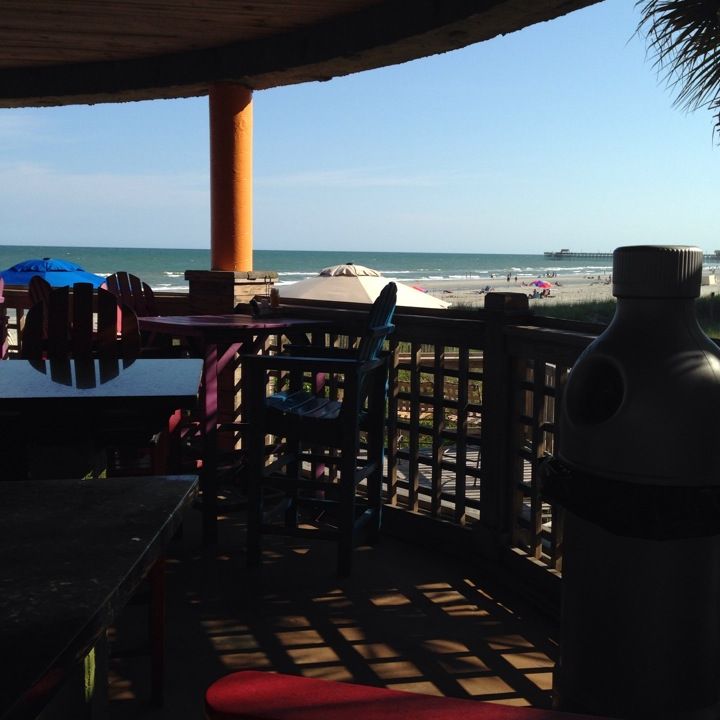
257 695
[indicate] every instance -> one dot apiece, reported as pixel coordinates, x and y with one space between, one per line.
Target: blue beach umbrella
57 272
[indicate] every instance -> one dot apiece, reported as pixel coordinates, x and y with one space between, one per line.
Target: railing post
493 530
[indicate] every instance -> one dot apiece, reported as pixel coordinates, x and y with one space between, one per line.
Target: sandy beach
563 289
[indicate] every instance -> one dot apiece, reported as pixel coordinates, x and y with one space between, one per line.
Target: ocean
164 269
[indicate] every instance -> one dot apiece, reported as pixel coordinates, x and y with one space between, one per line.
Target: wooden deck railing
496 408
472 410
541 359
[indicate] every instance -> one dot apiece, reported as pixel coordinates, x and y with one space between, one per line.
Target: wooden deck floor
407 619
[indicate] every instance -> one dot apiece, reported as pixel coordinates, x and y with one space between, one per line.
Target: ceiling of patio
56 52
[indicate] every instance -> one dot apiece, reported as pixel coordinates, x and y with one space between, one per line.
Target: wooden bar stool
332 398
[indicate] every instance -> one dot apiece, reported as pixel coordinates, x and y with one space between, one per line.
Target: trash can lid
657 271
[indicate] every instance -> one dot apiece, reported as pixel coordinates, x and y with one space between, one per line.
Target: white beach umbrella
355 284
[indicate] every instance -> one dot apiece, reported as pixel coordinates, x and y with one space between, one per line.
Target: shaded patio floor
407 619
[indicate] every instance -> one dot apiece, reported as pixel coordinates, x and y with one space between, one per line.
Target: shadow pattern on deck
407 619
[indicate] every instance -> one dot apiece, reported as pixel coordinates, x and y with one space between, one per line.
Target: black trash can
638 472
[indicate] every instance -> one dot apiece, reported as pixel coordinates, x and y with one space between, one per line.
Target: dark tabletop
104 384
71 554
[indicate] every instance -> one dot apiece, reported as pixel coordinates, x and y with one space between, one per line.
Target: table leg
216 359
208 476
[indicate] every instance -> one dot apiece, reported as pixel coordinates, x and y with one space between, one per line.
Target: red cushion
256 695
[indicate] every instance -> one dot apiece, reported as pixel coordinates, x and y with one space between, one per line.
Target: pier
565 254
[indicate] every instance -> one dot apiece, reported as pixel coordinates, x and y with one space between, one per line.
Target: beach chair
85 326
93 324
89 325
333 396
38 289
133 293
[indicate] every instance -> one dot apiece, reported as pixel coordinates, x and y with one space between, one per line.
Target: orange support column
231 124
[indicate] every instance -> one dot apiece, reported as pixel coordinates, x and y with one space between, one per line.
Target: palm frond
684 37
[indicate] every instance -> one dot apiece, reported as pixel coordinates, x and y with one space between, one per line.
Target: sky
561 135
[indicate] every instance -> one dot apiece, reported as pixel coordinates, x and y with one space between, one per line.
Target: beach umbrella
349 270
356 284
57 272
541 284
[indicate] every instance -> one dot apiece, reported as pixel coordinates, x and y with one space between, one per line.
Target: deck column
231 135
231 278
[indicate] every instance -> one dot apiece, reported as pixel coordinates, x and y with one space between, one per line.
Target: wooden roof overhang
60 52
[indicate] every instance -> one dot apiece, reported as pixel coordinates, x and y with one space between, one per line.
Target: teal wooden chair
333 399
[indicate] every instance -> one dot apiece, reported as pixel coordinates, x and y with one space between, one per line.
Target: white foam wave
168 287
